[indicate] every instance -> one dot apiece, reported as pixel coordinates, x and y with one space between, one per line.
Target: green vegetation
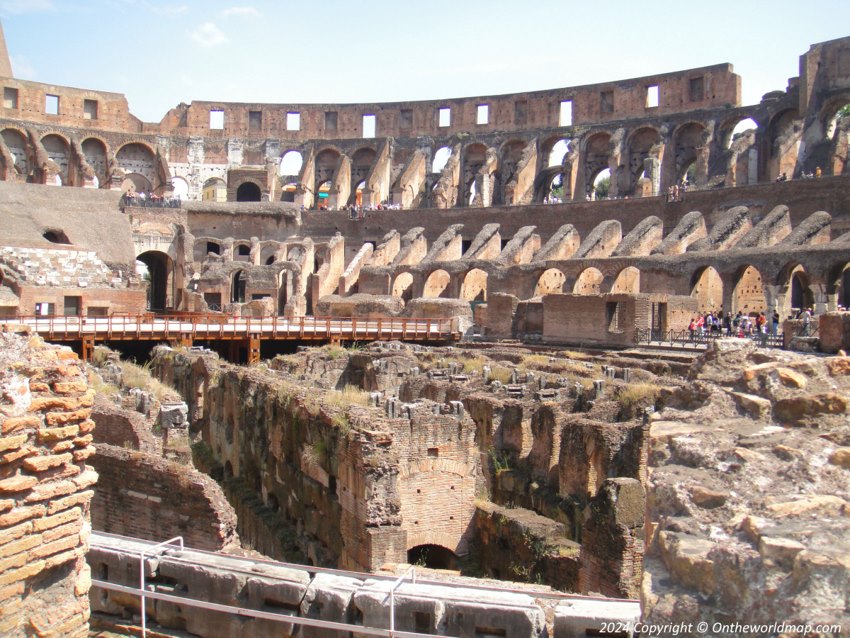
501 374
136 376
501 460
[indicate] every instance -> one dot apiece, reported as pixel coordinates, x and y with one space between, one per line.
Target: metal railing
222 327
142 554
685 338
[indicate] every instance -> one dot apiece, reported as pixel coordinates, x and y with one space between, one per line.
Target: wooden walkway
186 329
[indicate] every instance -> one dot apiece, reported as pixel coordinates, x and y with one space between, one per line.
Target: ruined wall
46 488
147 497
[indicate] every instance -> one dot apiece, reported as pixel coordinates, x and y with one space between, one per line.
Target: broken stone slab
795 410
173 415
574 618
686 558
781 551
328 597
756 406
706 498
820 504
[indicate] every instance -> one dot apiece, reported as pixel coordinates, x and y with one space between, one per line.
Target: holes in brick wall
433 452
56 236
255 120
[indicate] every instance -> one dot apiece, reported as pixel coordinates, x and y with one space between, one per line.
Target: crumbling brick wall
45 490
143 496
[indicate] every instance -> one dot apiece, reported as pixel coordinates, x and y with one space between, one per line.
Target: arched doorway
441 158
589 282
627 281
248 192
707 287
403 286
432 556
551 282
436 284
748 296
156 268
237 288
474 287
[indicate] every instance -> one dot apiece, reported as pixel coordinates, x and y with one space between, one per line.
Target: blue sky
163 52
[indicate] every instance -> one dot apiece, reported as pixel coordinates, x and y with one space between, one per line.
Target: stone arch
782 140
94 152
796 282
290 164
474 157
474 287
238 283
59 150
180 187
589 282
18 145
325 166
158 271
733 128
441 158
249 191
437 284
707 288
362 161
688 142
136 158
839 284
403 286
214 190
135 183
640 144
748 294
432 556
551 282
597 153
627 281
554 149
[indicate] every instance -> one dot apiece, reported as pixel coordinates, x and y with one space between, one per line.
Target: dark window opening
606 101
696 89
73 306
330 121
89 109
56 236
255 120
405 120
10 98
464 245
421 622
244 250
504 243
433 452
520 112
213 247
248 192
612 315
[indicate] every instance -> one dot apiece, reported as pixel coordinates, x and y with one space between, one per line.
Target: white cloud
208 35
241 11
25 6
168 9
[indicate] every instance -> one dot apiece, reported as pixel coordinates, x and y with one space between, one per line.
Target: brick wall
143 496
45 490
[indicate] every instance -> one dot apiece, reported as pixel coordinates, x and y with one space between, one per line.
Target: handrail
142 553
264 615
685 337
220 326
410 570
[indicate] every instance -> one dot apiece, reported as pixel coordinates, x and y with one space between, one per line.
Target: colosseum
428 368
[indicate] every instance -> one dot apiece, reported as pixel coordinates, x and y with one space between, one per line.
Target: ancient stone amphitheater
541 249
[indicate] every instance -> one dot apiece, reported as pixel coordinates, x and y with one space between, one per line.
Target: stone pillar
821 298
45 492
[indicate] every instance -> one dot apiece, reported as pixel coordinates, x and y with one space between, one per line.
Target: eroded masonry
529 244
